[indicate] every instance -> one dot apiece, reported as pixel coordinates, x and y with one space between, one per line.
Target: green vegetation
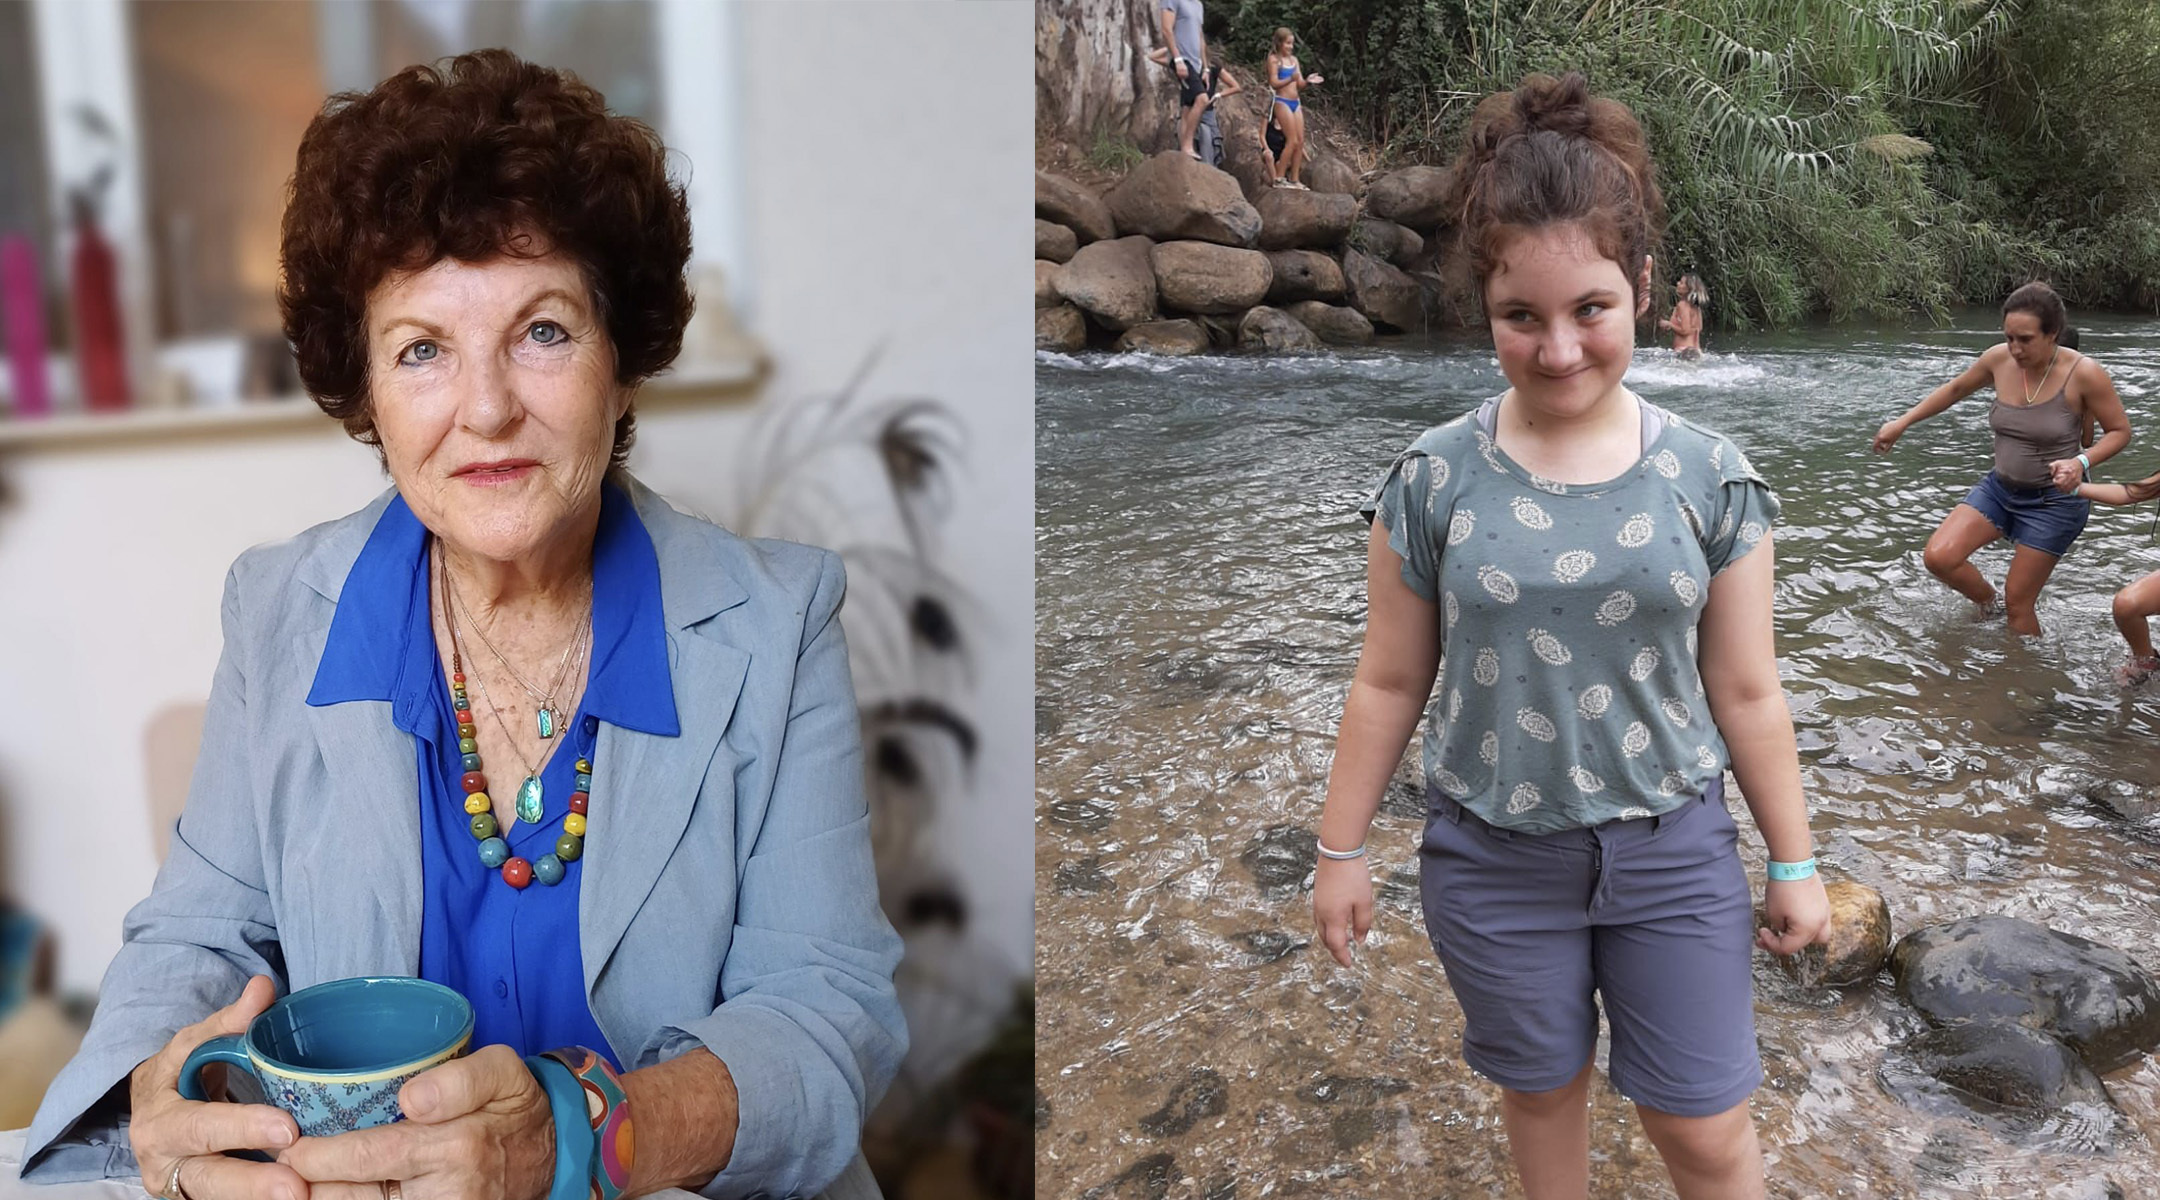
1113 152
1819 157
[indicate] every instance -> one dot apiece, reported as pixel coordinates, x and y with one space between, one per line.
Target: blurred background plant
871 478
1838 158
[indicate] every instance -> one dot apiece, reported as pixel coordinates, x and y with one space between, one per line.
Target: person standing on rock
1287 77
1181 29
1686 322
2043 398
1595 573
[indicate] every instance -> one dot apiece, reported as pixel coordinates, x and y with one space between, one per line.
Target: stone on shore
1062 328
1202 277
1327 173
1303 275
1398 244
1273 329
1067 203
1335 324
1295 220
1413 196
2092 997
1046 293
1054 242
1114 280
1170 197
1383 293
1170 338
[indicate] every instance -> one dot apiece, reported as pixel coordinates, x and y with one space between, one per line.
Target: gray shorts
1654 915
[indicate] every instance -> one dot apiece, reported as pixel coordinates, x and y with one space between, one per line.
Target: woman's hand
1799 914
164 1129
1342 904
1888 435
1311 79
2067 473
475 1128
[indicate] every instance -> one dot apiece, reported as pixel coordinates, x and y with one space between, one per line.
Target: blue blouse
513 953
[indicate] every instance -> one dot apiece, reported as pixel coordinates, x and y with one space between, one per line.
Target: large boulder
1303 275
1113 280
1164 337
1381 292
1202 277
1171 197
1054 242
1295 220
2003 1062
1062 328
1334 324
1267 328
1046 293
1398 244
2093 998
1413 196
1061 200
1326 173
1859 939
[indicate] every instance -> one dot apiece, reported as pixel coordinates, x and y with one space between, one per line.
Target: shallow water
1199 604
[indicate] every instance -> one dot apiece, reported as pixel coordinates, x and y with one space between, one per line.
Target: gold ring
172 1181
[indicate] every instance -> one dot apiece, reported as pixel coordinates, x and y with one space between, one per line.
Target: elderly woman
517 727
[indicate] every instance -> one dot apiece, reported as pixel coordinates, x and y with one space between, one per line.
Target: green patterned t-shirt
1568 693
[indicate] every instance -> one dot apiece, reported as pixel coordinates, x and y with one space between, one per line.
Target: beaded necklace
494 851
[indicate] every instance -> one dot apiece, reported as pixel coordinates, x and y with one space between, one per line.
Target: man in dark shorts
1181 28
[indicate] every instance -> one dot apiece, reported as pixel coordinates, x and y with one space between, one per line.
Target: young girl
2136 605
1287 77
1595 575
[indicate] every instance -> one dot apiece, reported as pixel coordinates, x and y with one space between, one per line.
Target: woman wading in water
1595 573
2044 395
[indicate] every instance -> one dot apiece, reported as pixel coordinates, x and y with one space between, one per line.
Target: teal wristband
1788 872
573 1131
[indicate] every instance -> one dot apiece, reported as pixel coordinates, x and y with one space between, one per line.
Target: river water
1199 603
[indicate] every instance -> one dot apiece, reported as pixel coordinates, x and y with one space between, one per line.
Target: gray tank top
2028 438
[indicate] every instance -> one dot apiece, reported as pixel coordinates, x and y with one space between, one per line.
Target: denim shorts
2042 518
1653 915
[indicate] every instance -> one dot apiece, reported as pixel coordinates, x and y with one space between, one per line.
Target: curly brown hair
487 156
1549 153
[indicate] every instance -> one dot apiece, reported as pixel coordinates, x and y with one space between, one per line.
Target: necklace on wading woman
2030 390
494 850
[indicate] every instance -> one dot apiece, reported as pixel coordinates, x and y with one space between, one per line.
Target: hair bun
1561 105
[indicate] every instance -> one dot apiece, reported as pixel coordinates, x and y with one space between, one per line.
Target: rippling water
1199 603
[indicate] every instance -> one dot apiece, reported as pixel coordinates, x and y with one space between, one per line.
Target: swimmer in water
1685 323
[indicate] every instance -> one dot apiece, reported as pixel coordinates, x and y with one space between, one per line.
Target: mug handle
227 1048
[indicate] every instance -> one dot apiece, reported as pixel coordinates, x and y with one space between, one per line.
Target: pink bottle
100 355
22 305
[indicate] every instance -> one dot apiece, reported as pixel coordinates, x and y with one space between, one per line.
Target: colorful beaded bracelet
608 1107
574 1151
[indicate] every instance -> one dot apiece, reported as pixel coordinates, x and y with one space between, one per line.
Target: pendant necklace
549 717
2030 391
494 850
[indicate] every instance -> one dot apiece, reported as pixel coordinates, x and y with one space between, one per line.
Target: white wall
872 220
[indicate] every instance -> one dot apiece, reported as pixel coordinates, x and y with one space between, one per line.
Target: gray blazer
728 901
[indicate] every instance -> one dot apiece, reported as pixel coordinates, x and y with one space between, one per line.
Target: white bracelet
1339 854
2084 462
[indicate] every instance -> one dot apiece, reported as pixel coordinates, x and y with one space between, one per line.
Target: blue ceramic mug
334 1055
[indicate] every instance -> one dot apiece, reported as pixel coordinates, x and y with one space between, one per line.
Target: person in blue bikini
1287 77
420 706
2044 395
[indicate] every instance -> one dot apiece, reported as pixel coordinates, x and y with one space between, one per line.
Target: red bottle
100 352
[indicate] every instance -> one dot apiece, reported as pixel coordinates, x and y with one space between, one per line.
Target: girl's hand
1799 914
475 1128
1887 436
1342 904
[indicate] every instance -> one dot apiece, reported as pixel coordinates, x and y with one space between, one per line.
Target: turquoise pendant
547 722
529 809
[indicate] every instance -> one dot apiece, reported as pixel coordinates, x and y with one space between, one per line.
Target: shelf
724 382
